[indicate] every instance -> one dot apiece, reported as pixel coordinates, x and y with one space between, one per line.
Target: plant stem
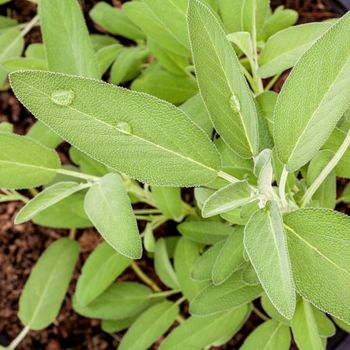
33 191
29 26
326 171
260 314
282 187
19 338
146 211
143 277
72 233
272 82
166 293
77 174
227 177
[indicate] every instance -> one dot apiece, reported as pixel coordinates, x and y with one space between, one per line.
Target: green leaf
186 254
264 233
163 266
319 248
229 295
100 40
106 56
203 266
164 21
284 49
115 21
325 196
44 291
101 268
325 326
272 311
270 335
68 213
11 44
254 13
25 163
67 42
341 324
119 301
230 257
114 326
127 65
221 82
196 333
108 207
168 200
227 198
231 14
158 82
148 238
205 232
36 50
47 198
44 135
248 274
122 121
195 109
6 127
6 22
148 327
20 63
243 41
304 328
313 109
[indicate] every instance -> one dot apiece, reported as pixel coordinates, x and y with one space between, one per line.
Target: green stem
272 82
227 177
146 211
29 26
326 171
19 338
143 277
77 174
166 293
260 314
282 187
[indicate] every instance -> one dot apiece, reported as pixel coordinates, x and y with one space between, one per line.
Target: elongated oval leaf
132 132
169 201
306 114
108 206
197 333
221 82
149 326
25 163
102 267
264 233
67 42
46 287
319 248
271 335
47 198
229 295
119 301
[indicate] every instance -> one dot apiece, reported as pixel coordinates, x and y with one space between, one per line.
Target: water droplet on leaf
124 127
62 97
235 104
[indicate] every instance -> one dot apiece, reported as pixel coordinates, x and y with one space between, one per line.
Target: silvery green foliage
261 224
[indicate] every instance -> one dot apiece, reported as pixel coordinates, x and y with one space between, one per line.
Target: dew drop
62 97
124 127
235 104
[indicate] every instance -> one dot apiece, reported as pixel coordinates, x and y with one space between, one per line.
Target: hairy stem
282 187
143 277
19 338
30 25
260 313
227 177
166 293
326 171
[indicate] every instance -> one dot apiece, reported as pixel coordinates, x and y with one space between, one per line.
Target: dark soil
21 245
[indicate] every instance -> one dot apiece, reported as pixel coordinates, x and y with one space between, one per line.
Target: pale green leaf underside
306 113
132 132
219 78
266 246
319 248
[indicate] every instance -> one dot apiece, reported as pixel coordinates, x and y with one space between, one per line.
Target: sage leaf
168 200
115 21
313 109
227 198
163 266
106 56
321 274
229 295
205 232
149 326
304 328
44 135
46 198
270 335
121 300
114 326
325 326
221 82
133 133
231 14
197 333
47 284
186 253
230 257
25 163
108 207
272 311
101 268
284 49
264 233
66 38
